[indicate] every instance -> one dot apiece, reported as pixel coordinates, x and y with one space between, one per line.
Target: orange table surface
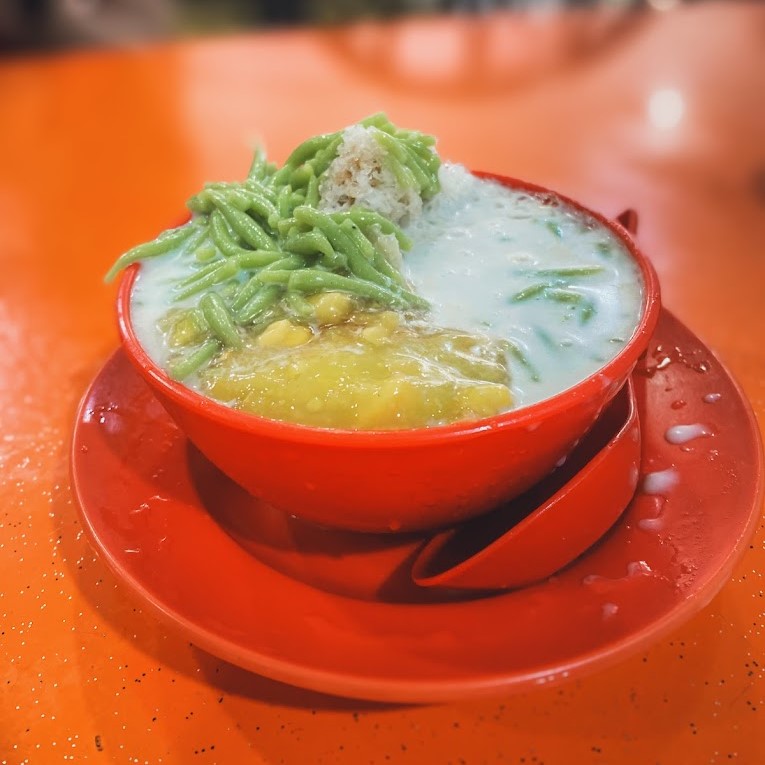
662 112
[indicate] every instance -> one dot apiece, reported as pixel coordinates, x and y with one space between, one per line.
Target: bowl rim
463 429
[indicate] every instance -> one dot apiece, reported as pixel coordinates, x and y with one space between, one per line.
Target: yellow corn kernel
186 330
486 399
375 334
284 334
381 327
331 307
389 319
395 398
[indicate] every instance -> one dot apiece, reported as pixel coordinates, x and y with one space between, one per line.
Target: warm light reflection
663 5
434 52
666 108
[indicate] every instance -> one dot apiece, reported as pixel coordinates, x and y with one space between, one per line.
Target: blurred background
44 24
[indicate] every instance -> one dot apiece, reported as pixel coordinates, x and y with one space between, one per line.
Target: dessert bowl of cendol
374 339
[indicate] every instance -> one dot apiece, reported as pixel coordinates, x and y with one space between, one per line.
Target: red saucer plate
141 493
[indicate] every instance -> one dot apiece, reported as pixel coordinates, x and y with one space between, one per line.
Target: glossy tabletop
660 111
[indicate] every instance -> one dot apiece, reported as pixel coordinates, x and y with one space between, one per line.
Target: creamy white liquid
660 481
152 298
681 434
476 245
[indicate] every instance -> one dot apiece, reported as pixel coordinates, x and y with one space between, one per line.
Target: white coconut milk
478 244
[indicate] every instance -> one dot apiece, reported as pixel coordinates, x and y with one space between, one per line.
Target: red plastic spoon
549 526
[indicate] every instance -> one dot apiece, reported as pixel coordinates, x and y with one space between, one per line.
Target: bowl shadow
352 564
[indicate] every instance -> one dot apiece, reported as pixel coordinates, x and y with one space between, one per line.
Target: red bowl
406 480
